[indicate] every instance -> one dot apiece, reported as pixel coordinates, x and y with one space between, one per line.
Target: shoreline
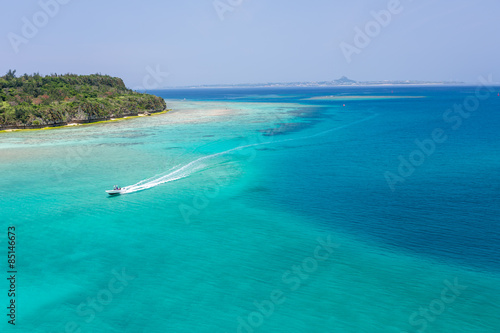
359 85
78 123
359 97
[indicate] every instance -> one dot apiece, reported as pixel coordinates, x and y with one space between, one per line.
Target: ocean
331 209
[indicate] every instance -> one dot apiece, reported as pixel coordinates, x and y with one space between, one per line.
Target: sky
158 43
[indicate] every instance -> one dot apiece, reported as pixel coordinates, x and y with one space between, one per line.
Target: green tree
11 74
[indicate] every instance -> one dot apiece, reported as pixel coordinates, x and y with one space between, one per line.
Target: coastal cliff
32 101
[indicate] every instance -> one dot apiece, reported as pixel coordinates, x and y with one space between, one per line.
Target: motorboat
116 191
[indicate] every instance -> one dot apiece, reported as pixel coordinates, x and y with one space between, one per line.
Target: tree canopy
51 99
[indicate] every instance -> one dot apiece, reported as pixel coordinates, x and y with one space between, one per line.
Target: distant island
343 81
33 101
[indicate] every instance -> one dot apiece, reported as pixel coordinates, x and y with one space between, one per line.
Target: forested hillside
52 99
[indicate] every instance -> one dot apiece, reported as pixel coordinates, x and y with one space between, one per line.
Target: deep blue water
449 208
233 196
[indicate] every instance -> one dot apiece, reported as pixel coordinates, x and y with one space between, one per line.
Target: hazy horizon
192 43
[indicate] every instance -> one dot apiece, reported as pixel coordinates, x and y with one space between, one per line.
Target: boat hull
114 192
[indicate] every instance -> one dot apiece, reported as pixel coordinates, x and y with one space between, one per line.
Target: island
343 81
35 101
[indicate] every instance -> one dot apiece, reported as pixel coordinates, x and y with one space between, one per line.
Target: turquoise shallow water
297 231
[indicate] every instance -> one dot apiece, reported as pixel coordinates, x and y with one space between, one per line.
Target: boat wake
183 171
180 172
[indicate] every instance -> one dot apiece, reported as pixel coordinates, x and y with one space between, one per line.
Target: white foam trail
184 171
179 172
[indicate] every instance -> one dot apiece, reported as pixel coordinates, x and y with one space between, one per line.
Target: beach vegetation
34 99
